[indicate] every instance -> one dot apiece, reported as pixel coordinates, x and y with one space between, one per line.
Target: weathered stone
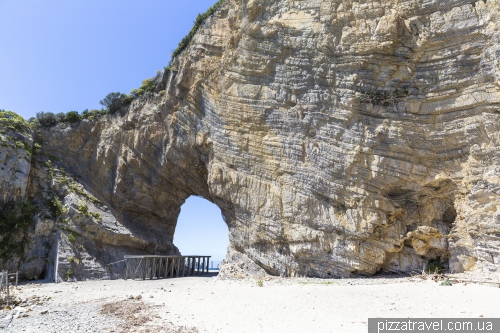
15 162
337 137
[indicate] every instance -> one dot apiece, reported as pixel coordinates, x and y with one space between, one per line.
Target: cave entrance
201 230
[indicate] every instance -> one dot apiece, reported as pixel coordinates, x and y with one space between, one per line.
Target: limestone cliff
338 138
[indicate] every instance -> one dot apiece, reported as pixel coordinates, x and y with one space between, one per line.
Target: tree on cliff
115 101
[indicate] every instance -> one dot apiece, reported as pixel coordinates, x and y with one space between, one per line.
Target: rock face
338 138
15 159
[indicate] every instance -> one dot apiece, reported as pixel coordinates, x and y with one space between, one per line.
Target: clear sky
64 55
201 230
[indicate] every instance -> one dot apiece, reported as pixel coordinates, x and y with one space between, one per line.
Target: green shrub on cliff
46 119
69 273
93 114
57 207
49 119
197 23
148 85
115 101
15 220
382 97
13 121
73 117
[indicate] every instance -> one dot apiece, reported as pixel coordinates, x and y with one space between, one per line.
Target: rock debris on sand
208 304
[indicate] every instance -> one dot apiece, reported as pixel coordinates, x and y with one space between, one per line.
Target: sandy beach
208 304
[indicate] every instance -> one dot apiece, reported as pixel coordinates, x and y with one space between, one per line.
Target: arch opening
201 230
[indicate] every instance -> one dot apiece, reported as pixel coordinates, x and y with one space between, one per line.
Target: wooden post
159 269
152 268
179 266
7 285
138 269
155 268
153 265
156 262
169 266
183 270
168 263
152 262
143 268
172 268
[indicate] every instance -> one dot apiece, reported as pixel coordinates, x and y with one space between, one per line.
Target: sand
207 304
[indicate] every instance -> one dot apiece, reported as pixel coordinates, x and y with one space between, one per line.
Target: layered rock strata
338 138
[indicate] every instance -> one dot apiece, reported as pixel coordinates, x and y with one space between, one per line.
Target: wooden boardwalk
158 267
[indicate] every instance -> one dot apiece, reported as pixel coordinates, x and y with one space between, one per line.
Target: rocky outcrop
15 160
338 138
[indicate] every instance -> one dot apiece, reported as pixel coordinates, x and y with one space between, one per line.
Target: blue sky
64 55
200 229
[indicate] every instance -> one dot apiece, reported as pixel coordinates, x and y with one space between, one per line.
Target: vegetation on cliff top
113 103
197 24
13 121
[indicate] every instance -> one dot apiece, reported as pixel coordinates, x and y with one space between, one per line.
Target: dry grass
424 275
138 317
455 278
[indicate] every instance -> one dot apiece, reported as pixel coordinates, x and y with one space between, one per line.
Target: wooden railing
162 267
4 285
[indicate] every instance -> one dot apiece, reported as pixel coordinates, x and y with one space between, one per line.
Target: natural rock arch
309 157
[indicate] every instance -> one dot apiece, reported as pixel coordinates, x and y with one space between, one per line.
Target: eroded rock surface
15 164
337 137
